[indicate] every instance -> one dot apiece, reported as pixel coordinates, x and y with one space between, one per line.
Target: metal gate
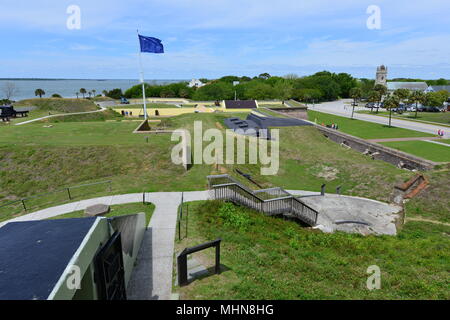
109 270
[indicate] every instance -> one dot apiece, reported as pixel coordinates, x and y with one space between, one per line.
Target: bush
114 93
55 95
233 218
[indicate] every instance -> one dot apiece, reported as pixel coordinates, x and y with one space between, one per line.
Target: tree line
321 86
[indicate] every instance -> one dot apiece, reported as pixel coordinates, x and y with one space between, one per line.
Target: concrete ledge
377 151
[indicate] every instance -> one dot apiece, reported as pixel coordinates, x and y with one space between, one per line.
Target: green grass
72 153
149 105
59 104
446 141
102 98
295 103
270 113
364 129
423 149
274 105
108 114
33 114
270 258
117 210
433 202
437 117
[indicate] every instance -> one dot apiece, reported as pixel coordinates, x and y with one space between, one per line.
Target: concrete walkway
59 115
437 142
404 139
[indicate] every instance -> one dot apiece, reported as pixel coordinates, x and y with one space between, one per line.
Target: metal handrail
256 202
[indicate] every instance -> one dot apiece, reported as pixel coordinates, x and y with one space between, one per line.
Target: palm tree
89 93
83 91
402 94
417 97
382 90
374 97
77 93
93 92
39 92
390 103
355 94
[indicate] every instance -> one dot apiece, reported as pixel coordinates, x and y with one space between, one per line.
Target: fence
60 196
273 201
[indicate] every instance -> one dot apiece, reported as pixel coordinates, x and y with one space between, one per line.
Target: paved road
339 108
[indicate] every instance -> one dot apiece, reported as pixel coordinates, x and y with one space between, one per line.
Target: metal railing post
217 267
187 217
182 269
338 190
68 192
322 190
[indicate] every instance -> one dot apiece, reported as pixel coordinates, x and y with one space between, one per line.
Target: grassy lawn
270 258
108 114
117 210
149 105
364 129
446 141
37 160
59 104
33 114
275 105
427 150
433 202
295 103
437 117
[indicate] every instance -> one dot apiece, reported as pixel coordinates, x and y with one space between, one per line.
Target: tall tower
381 75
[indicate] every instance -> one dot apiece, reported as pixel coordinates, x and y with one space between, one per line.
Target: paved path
440 143
102 104
341 109
404 139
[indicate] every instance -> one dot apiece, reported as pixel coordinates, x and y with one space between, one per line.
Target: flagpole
142 80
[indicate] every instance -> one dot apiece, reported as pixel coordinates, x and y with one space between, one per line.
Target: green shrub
233 218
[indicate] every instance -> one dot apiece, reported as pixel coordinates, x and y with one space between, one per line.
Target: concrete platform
353 214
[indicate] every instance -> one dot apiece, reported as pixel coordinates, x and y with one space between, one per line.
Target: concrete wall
295 112
379 152
83 257
132 228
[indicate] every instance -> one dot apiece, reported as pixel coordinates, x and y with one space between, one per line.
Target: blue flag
150 44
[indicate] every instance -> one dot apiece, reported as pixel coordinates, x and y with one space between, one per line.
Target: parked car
124 100
411 108
432 109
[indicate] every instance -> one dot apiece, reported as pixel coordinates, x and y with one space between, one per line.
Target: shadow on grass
207 273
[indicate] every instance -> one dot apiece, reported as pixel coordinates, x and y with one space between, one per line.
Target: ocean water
24 89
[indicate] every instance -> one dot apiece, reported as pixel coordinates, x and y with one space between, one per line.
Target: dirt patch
327 173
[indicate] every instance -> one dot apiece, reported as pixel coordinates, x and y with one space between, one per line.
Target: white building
195 83
412 86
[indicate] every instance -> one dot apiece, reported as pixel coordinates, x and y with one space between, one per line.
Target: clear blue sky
213 38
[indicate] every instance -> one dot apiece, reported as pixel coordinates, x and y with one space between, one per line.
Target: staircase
271 201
